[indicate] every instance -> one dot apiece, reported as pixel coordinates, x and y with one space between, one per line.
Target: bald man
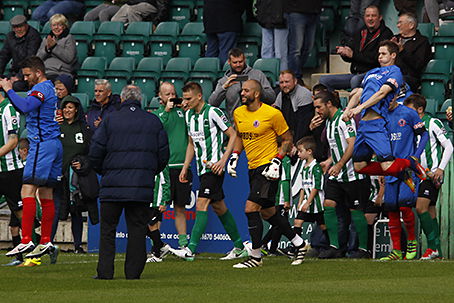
259 126
172 117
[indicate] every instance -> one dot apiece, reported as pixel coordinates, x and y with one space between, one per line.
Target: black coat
129 149
413 59
270 13
18 49
303 6
366 58
220 16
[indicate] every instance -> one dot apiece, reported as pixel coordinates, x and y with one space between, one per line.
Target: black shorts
10 187
308 217
14 221
211 187
155 216
372 208
354 194
261 190
428 190
180 193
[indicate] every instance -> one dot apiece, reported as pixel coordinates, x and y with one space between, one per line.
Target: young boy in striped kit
310 205
160 198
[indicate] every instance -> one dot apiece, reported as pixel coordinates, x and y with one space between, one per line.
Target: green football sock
331 225
361 228
182 240
437 241
201 219
230 227
427 225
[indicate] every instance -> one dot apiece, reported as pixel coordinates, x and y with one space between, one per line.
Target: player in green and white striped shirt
161 198
437 153
206 128
344 185
11 167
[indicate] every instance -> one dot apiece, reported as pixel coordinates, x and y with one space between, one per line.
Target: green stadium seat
313 59
45 30
444 42
13 8
92 68
35 24
119 72
250 40
82 32
177 72
198 10
84 100
427 29
5 28
134 41
328 15
181 11
435 79
90 4
107 38
146 76
270 67
153 105
191 42
205 72
162 42
431 106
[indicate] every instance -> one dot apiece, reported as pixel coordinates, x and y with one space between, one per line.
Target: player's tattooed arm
286 144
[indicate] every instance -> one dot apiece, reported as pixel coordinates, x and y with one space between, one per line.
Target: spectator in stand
354 22
104 11
270 15
58 49
221 34
296 104
362 53
63 87
449 116
406 6
302 18
103 103
229 87
22 42
136 10
49 8
414 50
75 138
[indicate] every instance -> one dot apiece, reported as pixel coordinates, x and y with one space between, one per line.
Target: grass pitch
210 280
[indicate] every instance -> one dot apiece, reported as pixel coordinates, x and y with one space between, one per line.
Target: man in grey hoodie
229 86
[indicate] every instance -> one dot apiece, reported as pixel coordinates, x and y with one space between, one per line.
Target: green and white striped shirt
312 176
207 132
433 152
161 188
284 191
337 133
374 188
10 125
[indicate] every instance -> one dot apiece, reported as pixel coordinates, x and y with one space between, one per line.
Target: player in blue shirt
379 87
404 126
43 167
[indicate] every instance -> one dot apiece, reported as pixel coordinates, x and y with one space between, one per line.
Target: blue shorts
398 194
44 163
372 138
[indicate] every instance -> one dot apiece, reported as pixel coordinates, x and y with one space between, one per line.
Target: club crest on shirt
256 123
402 122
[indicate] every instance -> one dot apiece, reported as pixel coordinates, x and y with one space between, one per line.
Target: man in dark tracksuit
129 149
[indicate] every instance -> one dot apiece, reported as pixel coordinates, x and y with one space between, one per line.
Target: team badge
402 122
256 123
132 108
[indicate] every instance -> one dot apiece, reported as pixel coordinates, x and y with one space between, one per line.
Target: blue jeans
301 37
219 44
342 81
49 8
275 45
